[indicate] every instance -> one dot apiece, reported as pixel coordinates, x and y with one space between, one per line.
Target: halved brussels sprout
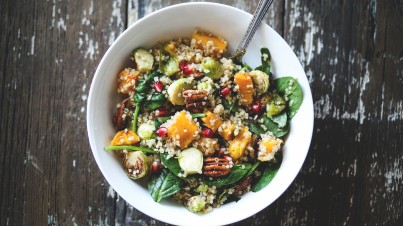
136 164
145 131
191 161
144 60
212 68
205 86
275 105
176 88
260 81
196 203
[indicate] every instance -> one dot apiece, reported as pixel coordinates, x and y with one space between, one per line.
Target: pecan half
195 99
216 166
243 186
120 122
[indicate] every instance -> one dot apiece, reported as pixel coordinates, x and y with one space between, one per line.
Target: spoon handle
254 24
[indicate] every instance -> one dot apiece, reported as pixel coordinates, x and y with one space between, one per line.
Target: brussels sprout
196 203
275 105
191 161
136 164
176 88
170 67
212 68
260 81
144 60
145 131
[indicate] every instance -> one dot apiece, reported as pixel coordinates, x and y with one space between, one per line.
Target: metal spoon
254 24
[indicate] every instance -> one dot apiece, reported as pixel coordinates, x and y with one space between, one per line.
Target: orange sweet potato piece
227 130
183 129
238 145
245 84
127 80
212 121
125 137
206 42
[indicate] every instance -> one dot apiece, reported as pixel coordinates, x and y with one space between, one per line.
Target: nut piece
243 186
208 146
217 166
195 99
120 119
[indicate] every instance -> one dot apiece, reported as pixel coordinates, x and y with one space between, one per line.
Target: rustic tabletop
352 52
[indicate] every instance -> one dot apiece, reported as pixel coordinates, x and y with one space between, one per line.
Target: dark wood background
352 52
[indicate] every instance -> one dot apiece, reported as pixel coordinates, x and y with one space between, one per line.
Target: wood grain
351 51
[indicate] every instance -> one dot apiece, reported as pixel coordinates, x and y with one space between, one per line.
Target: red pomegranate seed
182 65
256 108
160 112
162 132
188 69
225 92
207 132
156 166
158 86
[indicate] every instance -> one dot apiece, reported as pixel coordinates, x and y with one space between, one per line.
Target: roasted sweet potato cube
183 129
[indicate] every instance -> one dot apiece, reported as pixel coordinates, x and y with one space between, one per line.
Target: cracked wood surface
352 52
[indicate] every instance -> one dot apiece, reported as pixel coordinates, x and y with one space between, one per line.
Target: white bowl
180 21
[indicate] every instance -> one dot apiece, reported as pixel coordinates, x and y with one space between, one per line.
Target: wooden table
352 52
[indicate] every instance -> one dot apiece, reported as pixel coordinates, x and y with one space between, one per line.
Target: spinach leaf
280 119
255 128
232 198
264 180
265 61
164 185
156 101
172 163
269 170
232 107
143 87
236 174
292 92
274 128
252 169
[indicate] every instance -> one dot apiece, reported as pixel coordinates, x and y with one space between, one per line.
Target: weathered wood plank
49 53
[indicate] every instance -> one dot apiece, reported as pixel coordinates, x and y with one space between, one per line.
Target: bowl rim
97 76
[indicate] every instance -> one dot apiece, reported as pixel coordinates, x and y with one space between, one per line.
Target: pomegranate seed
222 151
160 112
156 166
207 132
188 69
256 108
182 65
158 86
225 92
162 132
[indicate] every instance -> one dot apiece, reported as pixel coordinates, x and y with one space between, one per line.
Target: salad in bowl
199 127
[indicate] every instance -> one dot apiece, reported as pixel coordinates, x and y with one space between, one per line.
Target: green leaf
280 120
236 174
252 169
144 86
171 163
265 179
292 92
255 128
164 185
265 62
231 107
274 128
157 100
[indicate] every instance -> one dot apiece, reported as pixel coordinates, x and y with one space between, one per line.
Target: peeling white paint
394 176
74 163
33 44
111 192
61 25
84 97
